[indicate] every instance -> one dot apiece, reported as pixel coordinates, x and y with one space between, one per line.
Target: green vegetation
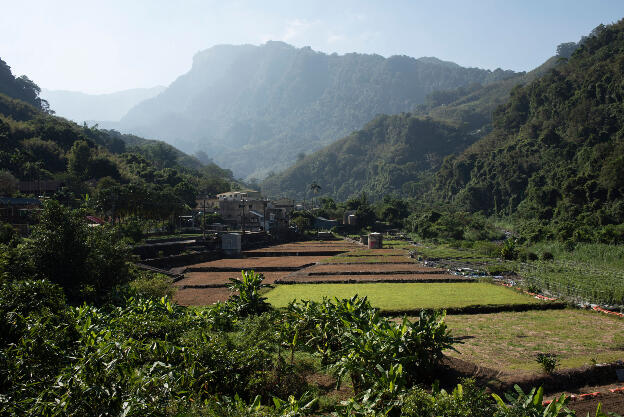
277 101
114 174
402 296
390 154
553 158
513 340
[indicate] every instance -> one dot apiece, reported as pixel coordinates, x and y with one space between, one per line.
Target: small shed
231 243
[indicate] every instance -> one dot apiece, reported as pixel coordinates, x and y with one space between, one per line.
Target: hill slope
255 108
555 153
81 107
390 154
36 146
464 114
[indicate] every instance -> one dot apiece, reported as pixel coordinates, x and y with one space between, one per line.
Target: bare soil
201 296
371 268
216 278
374 259
262 261
374 278
612 402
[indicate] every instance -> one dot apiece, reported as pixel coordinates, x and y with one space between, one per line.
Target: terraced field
500 339
510 341
404 296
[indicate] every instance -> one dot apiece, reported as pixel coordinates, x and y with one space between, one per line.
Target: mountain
401 153
81 107
255 108
554 155
391 154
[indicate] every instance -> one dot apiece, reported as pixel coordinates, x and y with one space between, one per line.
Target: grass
446 251
511 341
590 272
339 259
401 296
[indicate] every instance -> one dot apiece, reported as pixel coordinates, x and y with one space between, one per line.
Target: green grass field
511 340
341 259
401 296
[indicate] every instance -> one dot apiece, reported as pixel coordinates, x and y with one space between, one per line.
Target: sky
106 46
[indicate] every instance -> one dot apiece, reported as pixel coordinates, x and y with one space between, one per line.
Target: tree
79 159
87 262
8 183
565 50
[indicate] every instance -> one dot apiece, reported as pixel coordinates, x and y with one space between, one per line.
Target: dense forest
255 108
391 154
36 146
555 153
398 157
550 154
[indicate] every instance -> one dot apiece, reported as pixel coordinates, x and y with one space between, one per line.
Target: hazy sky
104 46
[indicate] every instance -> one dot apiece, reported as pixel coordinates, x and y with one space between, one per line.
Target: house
39 187
322 223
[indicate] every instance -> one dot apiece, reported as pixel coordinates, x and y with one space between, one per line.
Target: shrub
465 400
508 251
132 229
7 233
547 256
248 300
548 362
152 285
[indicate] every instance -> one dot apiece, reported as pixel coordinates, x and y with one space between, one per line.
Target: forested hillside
123 172
390 154
255 108
555 153
465 114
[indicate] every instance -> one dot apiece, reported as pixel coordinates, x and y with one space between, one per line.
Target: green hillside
36 146
390 154
555 152
401 153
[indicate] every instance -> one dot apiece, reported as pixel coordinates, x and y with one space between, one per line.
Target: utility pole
204 219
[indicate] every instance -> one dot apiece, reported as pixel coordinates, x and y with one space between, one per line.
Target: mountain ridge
255 108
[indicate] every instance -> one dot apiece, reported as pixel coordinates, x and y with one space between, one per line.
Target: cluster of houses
238 210
247 210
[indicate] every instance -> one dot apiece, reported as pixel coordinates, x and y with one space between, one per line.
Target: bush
548 362
248 300
88 262
152 285
7 233
508 251
547 256
466 400
132 229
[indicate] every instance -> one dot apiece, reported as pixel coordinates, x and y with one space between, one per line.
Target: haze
101 47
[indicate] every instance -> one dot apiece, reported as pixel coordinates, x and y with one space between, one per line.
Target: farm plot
258 262
201 296
197 279
355 278
368 259
372 268
376 252
404 296
510 341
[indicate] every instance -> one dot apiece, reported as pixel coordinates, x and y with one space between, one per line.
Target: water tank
375 241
